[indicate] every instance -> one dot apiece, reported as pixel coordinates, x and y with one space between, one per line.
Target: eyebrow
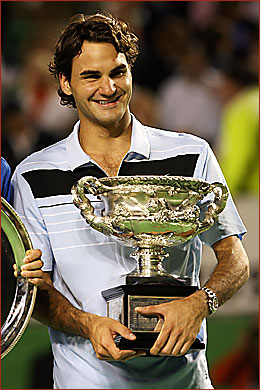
118 68
89 73
85 73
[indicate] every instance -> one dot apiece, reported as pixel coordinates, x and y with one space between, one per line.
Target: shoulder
51 157
165 138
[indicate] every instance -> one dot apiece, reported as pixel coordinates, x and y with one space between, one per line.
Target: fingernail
132 336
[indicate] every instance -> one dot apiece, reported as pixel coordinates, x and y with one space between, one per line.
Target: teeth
107 101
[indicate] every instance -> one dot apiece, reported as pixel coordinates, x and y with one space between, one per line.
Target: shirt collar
140 146
75 154
139 141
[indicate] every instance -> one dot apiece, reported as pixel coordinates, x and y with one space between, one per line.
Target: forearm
232 270
54 310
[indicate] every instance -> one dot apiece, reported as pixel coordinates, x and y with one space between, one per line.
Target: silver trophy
149 213
17 294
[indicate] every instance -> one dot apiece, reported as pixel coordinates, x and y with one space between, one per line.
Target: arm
54 310
183 318
232 270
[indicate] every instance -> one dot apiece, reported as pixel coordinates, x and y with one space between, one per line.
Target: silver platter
18 295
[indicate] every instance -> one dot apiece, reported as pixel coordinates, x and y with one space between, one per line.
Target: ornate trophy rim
164 181
25 294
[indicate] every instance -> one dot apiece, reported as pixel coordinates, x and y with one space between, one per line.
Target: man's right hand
56 311
102 332
31 268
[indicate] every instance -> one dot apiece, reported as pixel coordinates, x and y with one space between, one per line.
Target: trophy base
145 341
122 301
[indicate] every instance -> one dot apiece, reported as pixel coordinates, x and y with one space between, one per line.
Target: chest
110 162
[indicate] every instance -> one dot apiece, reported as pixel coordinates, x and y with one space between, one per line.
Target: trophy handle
215 207
92 185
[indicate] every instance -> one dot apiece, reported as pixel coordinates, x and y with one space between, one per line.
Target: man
92 63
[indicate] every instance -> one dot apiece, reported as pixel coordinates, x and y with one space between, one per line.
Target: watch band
212 300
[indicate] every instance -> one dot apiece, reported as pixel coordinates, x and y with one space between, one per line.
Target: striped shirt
84 262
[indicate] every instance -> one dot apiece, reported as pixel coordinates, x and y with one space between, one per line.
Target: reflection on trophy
149 213
17 294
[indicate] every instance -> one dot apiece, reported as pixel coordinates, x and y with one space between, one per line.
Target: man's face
101 84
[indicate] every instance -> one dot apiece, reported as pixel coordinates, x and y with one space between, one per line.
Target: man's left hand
182 321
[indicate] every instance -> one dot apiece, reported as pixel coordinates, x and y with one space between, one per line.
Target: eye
118 72
91 77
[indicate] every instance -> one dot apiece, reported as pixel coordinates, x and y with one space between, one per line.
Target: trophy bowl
149 213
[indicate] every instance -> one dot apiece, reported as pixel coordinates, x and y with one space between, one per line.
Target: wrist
198 304
202 302
212 300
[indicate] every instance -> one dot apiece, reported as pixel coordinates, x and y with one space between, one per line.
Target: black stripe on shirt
46 182
182 165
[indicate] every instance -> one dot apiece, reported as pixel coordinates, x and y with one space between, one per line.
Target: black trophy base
122 301
145 341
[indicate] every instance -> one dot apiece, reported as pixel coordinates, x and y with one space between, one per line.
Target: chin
110 119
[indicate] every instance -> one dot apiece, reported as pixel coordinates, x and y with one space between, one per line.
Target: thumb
125 332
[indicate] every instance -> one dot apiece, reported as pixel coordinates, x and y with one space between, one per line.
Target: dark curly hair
100 27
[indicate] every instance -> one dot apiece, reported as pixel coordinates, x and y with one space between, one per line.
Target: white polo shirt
84 262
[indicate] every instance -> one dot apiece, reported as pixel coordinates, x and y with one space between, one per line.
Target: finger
32 274
106 346
36 282
159 325
177 347
160 343
126 355
133 355
108 349
149 310
36 264
186 347
123 331
32 254
169 346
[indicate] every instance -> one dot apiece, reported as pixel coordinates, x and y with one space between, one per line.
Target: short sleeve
26 206
229 222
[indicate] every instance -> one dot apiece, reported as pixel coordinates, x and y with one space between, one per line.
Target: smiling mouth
108 102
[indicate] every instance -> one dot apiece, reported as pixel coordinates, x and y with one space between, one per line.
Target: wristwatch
212 300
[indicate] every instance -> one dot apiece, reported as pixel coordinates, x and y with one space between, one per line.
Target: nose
107 86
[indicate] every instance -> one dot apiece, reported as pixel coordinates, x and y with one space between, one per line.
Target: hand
102 332
31 268
182 320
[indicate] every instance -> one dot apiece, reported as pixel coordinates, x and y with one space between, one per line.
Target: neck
112 138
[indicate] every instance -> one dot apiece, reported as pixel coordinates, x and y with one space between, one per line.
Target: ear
64 84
